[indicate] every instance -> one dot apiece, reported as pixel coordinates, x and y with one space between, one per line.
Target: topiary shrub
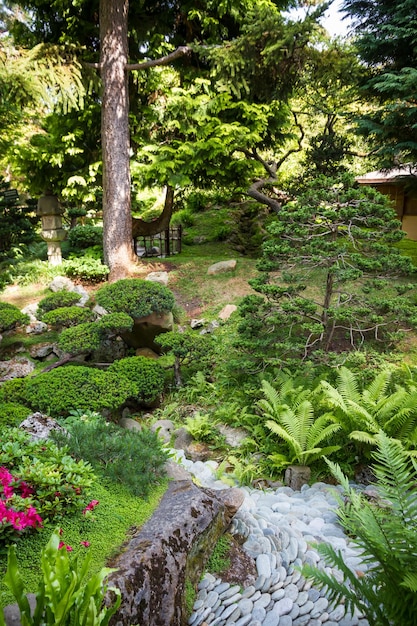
81 339
87 337
85 236
12 414
65 388
11 316
135 297
57 300
145 377
67 316
13 391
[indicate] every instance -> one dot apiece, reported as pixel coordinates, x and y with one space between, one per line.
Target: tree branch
179 52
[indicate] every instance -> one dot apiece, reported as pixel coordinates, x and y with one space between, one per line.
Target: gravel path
278 527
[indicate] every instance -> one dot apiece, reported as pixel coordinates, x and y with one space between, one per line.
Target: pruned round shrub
84 236
12 414
145 377
11 316
115 323
67 316
80 339
135 297
13 390
77 387
57 300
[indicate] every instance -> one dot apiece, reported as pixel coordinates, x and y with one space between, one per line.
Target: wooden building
395 183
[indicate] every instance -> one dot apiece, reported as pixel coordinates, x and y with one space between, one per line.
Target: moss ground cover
104 529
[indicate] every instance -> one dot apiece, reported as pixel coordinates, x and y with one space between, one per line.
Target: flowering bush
38 481
17 512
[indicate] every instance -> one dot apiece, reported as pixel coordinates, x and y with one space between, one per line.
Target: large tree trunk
117 219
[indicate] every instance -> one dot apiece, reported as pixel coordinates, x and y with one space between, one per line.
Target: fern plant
386 534
363 413
289 413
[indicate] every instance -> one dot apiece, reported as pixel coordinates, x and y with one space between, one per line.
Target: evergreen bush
11 316
136 297
80 339
57 300
131 457
12 413
65 388
145 377
84 236
86 268
67 316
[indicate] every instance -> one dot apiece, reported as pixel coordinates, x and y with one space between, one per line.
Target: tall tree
117 220
386 38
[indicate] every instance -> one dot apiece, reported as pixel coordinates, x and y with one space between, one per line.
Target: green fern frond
347 384
363 437
379 385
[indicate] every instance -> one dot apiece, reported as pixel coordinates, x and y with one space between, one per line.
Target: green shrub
133 458
81 339
11 316
86 338
13 391
67 316
65 388
135 297
183 217
86 268
58 483
12 414
85 236
145 377
115 323
57 300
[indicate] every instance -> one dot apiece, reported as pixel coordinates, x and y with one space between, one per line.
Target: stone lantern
50 213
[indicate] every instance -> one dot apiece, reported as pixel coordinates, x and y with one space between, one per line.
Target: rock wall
171 547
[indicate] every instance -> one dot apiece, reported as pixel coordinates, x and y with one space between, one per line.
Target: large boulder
172 547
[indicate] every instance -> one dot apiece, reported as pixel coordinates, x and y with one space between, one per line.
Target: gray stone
60 283
284 606
263 565
36 328
158 277
296 476
12 612
41 350
164 428
271 619
129 423
174 540
222 266
39 426
18 367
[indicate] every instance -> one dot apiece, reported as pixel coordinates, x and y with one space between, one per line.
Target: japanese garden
208 313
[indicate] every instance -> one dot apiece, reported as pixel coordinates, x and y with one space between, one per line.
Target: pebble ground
279 529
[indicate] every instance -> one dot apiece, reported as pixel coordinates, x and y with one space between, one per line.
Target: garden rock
83 293
222 266
39 426
18 367
41 350
176 472
12 612
99 311
227 311
129 423
61 282
164 428
111 349
194 323
182 439
296 476
150 354
175 540
158 277
36 328
32 311
233 436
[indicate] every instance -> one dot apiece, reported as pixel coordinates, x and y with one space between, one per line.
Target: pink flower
63 545
92 505
86 544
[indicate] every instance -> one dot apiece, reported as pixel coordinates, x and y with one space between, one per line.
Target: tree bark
117 219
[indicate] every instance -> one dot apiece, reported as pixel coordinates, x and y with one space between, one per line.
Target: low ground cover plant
56 300
11 317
